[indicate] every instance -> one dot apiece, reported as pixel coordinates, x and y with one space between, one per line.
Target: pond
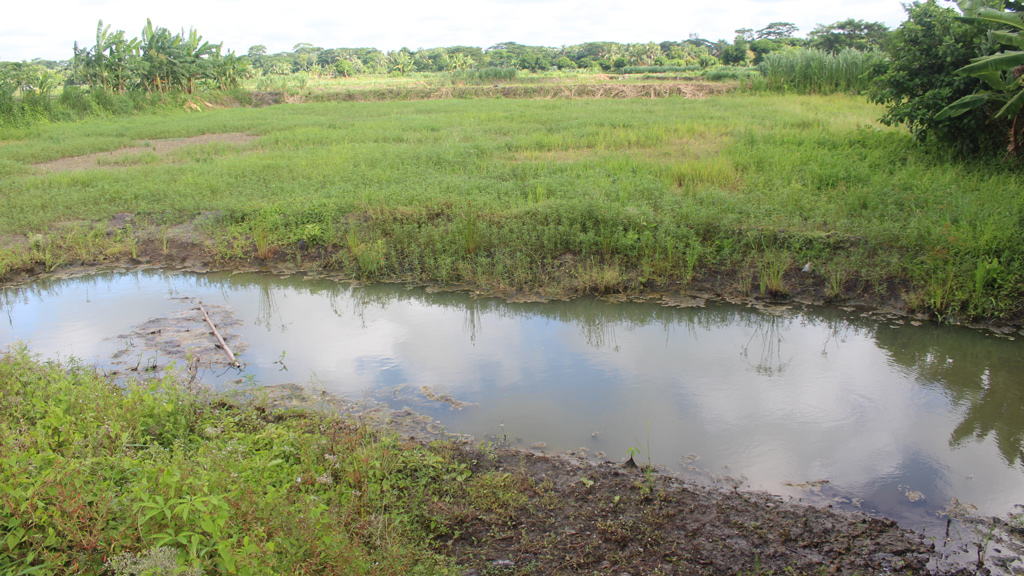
851 408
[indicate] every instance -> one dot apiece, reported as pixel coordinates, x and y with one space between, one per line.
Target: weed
206 486
834 281
988 273
807 70
770 273
262 240
369 257
648 468
469 233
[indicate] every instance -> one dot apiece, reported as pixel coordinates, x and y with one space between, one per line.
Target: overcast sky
48 30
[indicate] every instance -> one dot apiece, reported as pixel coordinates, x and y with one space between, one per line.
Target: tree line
161 61
749 47
951 76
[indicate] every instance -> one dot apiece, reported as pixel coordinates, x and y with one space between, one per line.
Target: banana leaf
964 105
1013 106
1006 37
994 63
989 15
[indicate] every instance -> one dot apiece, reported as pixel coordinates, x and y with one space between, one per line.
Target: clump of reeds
811 71
657 69
484 75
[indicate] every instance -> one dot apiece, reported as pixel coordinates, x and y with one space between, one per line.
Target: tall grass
719 73
812 71
657 69
559 189
484 75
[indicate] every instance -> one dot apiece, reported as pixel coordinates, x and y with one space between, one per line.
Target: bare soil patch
583 518
158 147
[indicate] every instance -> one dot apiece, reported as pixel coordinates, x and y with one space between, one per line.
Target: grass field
560 197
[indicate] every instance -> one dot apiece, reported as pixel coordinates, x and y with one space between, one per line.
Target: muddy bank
606 519
189 247
573 515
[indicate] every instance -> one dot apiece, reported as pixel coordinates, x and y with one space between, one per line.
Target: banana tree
1001 72
161 52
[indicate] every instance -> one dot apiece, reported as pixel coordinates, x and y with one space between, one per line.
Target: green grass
564 196
157 474
811 71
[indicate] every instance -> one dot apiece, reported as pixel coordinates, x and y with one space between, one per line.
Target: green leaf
963 105
1013 106
1005 37
994 80
994 63
988 16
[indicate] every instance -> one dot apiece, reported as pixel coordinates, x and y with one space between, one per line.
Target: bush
719 73
77 100
925 53
564 63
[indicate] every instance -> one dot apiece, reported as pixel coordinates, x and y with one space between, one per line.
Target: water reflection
781 399
980 374
769 332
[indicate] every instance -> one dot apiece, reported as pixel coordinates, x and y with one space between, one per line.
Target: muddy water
859 410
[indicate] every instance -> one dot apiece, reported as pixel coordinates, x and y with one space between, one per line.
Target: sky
50 30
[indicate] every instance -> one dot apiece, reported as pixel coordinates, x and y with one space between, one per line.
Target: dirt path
158 147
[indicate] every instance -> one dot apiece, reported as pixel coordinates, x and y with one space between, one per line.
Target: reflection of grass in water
266 307
770 360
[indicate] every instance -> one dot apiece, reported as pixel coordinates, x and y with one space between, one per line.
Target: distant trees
777 31
850 33
157 62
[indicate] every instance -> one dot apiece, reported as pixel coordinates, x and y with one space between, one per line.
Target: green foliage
925 53
155 478
719 73
1001 72
811 71
658 69
484 75
849 34
777 31
561 197
156 62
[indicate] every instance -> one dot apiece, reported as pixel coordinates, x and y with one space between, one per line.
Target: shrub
925 53
719 73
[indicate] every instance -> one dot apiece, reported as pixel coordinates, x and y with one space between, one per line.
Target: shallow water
898 419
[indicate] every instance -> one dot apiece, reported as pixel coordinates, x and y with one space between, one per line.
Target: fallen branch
223 344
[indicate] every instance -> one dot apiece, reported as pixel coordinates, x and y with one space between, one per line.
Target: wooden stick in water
223 344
